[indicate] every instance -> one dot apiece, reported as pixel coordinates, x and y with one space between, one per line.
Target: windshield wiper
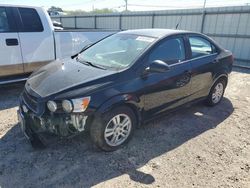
90 64
85 48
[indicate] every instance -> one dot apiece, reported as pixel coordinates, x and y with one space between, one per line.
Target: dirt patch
194 147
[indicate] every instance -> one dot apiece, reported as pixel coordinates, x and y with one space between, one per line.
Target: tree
103 11
55 9
75 12
95 11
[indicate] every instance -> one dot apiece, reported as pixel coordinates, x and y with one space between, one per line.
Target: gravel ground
195 147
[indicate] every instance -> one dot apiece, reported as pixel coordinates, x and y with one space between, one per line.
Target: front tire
216 93
114 129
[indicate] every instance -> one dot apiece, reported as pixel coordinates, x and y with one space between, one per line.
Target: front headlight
76 105
67 106
52 106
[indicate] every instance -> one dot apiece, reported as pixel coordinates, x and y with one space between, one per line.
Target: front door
10 51
164 91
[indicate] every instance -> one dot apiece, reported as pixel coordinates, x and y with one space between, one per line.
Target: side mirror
158 66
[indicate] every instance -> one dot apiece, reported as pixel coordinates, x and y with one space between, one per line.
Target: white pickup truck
28 41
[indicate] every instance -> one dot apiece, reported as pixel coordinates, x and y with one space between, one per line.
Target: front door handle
185 79
11 42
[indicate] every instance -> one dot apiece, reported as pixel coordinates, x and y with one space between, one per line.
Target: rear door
203 58
10 51
36 38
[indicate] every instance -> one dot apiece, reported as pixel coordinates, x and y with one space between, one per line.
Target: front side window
30 20
4 25
200 47
171 51
117 51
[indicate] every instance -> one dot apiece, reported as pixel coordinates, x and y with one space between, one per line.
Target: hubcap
117 130
218 92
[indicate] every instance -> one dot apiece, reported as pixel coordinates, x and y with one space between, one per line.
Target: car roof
157 33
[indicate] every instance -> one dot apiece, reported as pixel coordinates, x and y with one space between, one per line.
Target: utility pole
204 5
126 5
203 15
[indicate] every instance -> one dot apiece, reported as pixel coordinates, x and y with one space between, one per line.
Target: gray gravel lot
198 146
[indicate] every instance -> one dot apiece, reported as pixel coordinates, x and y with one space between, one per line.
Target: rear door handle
11 42
216 61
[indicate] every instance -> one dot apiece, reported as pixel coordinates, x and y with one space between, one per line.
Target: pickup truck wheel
216 93
114 129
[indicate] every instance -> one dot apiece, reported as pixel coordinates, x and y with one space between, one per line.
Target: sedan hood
59 76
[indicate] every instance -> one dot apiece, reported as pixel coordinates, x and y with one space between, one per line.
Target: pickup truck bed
28 41
69 42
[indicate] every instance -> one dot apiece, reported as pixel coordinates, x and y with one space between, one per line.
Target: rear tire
216 93
114 129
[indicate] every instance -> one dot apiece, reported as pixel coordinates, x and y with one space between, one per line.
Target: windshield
117 51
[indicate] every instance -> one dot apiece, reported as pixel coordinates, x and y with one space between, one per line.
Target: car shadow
76 162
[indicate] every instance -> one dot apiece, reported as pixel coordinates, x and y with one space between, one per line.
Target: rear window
30 20
200 47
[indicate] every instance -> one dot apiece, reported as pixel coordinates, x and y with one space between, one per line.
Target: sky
133 5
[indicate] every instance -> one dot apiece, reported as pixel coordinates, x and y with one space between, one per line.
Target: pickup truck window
30 20
4 25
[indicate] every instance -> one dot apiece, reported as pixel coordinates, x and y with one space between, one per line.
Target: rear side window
4 24
170 51
30 20
200 47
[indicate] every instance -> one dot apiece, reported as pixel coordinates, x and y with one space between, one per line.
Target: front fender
119 100
129 100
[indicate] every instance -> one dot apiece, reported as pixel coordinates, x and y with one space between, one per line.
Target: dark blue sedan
117 84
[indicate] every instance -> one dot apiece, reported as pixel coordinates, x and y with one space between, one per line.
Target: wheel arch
127 100
220 76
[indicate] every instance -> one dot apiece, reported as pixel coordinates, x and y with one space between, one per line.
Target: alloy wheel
218 93
118 130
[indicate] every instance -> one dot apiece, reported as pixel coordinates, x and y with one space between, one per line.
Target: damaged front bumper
59 124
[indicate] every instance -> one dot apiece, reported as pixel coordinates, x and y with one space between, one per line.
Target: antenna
177 25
